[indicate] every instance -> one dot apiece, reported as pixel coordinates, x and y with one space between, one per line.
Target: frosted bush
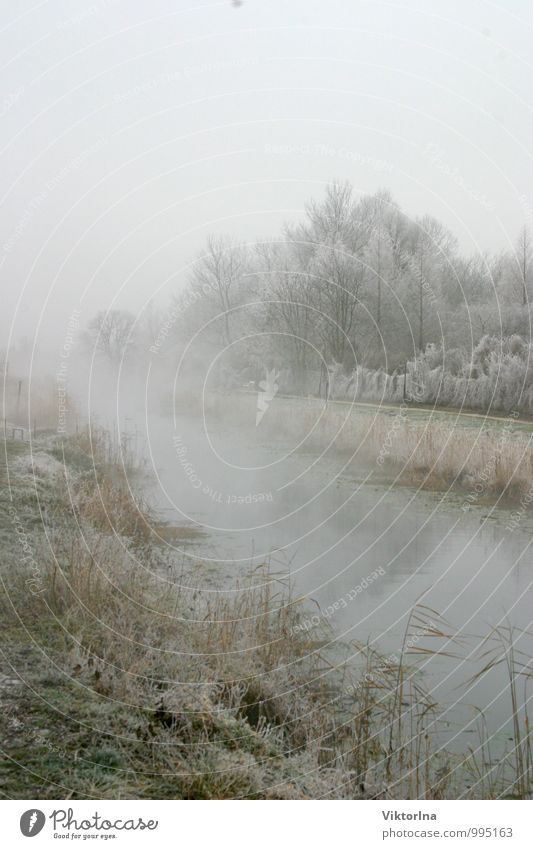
497 374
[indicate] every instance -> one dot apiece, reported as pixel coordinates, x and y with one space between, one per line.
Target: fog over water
329 532
279 256
361 553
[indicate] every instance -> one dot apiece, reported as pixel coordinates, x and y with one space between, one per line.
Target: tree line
356 287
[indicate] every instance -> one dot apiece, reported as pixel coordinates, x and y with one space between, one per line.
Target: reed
205 691
482 461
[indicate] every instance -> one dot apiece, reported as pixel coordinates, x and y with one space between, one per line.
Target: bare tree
218 274
332 242
289 304
429 249
383 213
111 333
323 288
337 279
523 252
338 219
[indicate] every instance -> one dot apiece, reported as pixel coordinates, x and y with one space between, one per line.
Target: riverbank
485 461
120 679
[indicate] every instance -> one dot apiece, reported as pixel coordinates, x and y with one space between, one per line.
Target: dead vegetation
34 404
137 685
482 460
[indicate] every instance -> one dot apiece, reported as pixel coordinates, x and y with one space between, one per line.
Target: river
362 551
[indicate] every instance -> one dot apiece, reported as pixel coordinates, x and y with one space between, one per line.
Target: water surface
331 528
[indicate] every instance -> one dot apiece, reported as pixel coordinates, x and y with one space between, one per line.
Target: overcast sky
132 129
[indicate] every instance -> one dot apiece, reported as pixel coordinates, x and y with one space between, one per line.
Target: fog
130 134
273 262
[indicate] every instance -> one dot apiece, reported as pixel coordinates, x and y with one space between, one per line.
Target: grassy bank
120 678
481 460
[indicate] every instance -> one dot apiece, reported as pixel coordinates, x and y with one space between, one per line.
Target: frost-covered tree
359 285
111 333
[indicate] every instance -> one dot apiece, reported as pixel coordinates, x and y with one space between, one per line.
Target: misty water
329 527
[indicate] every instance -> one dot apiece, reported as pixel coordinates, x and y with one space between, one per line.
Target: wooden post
405 381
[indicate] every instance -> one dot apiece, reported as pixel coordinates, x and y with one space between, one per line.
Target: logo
32 822
269 389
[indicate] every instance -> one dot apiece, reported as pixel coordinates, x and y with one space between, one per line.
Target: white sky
132 129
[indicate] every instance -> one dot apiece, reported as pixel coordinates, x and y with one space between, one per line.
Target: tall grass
36 405
514 771
221 693
480 461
